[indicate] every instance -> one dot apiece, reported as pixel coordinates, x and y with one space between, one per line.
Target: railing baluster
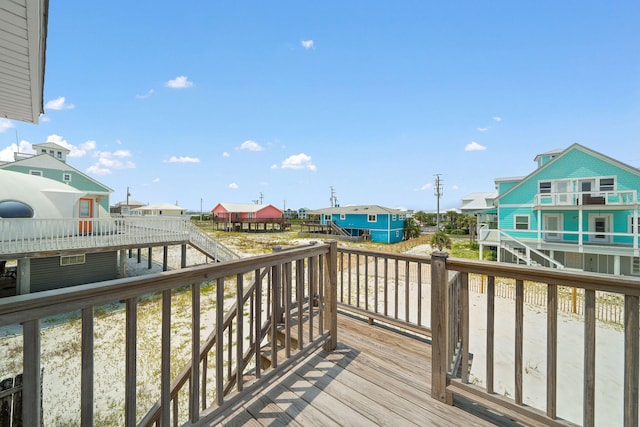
386 287
258 321
165 370
397 289
300 298
239 331
87 372
631 360
358 280
464 325
519 335
311 274
366 282
419 302
375 284
407 281
287 308
490 331
194 398
552 349
275 317
220 341
320 288
349 278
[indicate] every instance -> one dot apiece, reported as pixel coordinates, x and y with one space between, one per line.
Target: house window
401 217
327 218
59 153
35 173
630 227
43 151
393 217
635 265
372 218
521 222
544 187
607 184
72 260
343 216
66 177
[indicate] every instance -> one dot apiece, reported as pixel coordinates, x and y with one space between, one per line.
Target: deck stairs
525 254
338 230
209 246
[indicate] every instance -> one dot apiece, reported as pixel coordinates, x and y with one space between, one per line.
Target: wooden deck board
374 377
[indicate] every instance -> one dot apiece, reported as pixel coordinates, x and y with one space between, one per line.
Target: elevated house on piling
578 209
248 217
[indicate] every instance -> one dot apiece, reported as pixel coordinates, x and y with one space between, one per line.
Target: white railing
25 236
576 198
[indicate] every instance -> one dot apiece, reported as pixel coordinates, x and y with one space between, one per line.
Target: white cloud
146 95
234 186
455 187
108 161
182 159
274 166
58 104
5 125
483 129
474 146
298 161
225 154
179 82
156 180
251 146
74 151
497 118
6 154
307 44
427 186
44 118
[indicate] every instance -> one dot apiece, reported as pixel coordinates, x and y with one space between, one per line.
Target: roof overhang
23 42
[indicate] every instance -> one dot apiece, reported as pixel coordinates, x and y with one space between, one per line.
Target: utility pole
200 209
261 197
438 193
333 200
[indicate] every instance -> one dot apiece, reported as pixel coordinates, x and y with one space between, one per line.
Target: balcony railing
20 237
608 198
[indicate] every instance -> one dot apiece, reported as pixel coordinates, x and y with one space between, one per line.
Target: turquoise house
370 222
578 209
50 161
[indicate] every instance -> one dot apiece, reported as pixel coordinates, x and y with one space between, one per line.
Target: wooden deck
374 377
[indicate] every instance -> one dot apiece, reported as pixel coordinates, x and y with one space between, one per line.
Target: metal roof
23 37
359 209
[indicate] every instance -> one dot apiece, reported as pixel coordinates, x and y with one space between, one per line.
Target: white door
552 226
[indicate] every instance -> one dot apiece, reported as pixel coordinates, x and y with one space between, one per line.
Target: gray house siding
47 273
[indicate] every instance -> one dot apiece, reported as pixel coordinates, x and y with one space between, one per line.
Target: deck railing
573 198
269 311
392 288
21 237
446 382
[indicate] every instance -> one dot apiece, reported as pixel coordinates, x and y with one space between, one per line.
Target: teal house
578 209
50 161
370 222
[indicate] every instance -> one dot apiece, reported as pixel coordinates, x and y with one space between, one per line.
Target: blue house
578 209
371 222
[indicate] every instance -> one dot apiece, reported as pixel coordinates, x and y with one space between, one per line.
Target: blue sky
226 101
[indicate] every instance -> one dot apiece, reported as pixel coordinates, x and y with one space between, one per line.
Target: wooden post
123 263
439 309
150 258
183 256
165 258
331 295
31 389
631 358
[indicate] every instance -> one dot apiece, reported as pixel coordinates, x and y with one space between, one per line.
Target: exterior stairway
209 246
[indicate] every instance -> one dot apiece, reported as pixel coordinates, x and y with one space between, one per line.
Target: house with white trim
578 209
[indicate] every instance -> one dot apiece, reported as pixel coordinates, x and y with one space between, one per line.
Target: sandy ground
60 344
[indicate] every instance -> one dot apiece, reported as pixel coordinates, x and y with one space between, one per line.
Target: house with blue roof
578 209
370 222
